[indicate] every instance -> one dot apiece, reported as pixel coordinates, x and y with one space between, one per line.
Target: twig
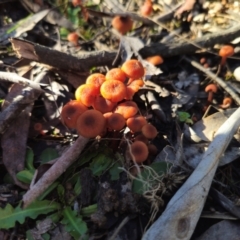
182 213
187 47
14 78
61 60
121 225
28 96
227 87
59 167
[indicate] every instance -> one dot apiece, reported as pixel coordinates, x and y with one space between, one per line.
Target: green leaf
45 236
25 176
61 192
29 159
55 217
9 215
147 179
29 235
184 117
63 32
73 223
73 15
115 171
86 157
100 164
78 187
48 154
48 190
89 210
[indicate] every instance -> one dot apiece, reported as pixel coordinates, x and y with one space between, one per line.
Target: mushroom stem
210 89
223 61
210 96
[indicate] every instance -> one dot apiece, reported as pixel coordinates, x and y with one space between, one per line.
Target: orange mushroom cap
141 137
133 69
136 123
133 87
133 82
139 151
113 90
227 101
73 37
211 88
71 111
152 149
127 109
225 52
130 91
146 8
155 60
115 121
116 74
86 93
122 24
76 2
96 79
149 131
103 105
91 123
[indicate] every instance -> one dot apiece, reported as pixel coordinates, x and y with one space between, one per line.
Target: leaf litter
94 187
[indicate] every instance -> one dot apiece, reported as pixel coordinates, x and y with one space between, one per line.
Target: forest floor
119 119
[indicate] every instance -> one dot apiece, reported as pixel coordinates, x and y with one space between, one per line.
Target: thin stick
59 167
121 225
227 87
14 78
186 46
182 213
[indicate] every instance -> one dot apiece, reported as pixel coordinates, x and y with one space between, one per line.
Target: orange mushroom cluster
104 103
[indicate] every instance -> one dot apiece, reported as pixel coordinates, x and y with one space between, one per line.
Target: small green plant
99 162
9 215
184 117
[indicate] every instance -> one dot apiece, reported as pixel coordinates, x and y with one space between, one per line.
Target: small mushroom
139 151
149 131
122 24
115 121
103 105
71 111
136 123
86 93
132 87
227 101
211 89
225 52
91 124
116 74
152 149
155 60
73 37
127 109
133 69
146 8
113 90
96 79
141 137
